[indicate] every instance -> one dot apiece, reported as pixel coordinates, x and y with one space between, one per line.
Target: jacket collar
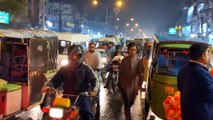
199 63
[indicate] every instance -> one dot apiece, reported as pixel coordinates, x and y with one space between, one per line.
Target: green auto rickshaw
170 53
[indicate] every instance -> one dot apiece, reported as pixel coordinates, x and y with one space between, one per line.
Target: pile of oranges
172 107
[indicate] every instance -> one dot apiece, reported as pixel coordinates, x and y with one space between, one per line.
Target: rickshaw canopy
73 37
108 39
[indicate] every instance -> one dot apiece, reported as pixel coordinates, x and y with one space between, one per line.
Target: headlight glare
56 112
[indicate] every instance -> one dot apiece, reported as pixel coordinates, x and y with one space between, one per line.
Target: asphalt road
111 108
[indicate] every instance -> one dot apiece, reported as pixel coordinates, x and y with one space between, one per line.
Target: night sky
152 15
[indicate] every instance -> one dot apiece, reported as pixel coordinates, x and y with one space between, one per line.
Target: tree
14 7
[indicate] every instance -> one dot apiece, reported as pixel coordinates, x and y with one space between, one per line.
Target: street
111 108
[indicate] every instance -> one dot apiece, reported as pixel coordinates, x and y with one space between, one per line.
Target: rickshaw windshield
63 46
169 61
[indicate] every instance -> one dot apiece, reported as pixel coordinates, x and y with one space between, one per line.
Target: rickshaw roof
73 37
177 39
108 39
26 33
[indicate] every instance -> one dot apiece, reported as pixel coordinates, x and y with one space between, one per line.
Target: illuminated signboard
4 17
172 31
190 13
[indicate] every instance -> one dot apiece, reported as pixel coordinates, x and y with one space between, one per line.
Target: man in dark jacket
76 78
196 85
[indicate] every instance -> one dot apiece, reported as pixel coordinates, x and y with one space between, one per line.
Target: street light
119 3
95 2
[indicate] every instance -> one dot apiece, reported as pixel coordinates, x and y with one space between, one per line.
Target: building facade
199 20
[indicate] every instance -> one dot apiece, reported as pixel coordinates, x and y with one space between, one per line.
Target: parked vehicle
67 39
28 58
170 53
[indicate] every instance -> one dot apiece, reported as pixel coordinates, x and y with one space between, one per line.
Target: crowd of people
83 71
195 82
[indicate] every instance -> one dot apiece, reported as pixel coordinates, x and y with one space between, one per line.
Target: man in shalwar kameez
130 78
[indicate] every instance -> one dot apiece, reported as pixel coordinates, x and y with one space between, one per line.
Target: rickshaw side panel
38 65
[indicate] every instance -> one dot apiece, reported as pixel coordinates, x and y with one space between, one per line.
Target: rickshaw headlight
64 62
56 112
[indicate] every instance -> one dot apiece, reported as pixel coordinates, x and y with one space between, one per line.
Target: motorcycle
62 106
112 76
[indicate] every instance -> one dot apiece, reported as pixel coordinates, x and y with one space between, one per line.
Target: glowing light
64 62
56 112
95 2
49 24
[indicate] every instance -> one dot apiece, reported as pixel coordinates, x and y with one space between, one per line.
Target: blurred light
95 2
49 24
118 19
211 36
193 35
136 24
56 112
82 26
132 19
204 34
127 24
139 30
132 30
64 62
119 3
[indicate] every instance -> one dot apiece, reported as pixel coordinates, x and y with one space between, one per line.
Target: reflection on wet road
111 108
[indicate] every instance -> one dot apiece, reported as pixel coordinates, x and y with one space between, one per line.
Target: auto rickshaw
65 40
170 53
28 58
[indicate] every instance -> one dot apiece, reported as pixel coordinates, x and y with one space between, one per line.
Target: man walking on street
93 59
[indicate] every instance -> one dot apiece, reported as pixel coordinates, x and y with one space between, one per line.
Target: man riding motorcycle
76 78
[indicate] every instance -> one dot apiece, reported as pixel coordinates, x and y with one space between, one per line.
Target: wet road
111 108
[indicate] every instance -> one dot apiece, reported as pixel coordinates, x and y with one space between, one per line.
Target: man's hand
44 89
93 93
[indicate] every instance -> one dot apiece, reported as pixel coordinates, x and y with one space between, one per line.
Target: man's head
200 52
132 48
91 47
111 44
75 54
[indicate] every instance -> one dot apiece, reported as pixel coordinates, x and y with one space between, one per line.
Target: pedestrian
130 78
195 84
93 59
110 50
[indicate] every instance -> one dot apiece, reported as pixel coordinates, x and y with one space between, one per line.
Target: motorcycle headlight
56 112
104 60
64 62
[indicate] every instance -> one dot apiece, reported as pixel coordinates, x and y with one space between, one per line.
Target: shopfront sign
4 17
